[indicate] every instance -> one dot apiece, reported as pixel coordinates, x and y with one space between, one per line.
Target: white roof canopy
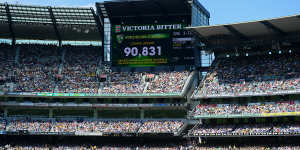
250 30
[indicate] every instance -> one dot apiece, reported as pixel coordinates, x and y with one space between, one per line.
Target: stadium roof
139 9
49 23
235 33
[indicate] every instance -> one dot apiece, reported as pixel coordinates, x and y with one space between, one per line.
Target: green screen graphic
151 45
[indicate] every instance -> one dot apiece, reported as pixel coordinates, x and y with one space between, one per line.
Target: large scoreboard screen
151 45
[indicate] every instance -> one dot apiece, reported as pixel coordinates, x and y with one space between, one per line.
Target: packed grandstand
143 147
92 127
250 109
67 96
147 144
76 69
256 75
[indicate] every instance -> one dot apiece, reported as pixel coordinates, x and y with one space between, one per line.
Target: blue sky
222 11
232 11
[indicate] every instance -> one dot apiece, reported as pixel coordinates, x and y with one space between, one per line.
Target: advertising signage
151 45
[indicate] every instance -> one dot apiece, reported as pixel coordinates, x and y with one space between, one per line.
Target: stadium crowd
144 147
251 108
135 82
124 82
253 75
248 129
160 126
168 82
77 69
106 126
36 68
123 127
7 65
30 126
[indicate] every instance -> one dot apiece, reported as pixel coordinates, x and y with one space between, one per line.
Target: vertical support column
99 24
5 112
50 113
10 23
59 43
142 115
99 18
17 50
54 23
197 53
107 47
95 113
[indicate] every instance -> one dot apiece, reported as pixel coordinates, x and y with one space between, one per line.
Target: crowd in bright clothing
145 82
36 67
160 126
92 126
143 147
77 69
246 109
7 65
246 129
253 75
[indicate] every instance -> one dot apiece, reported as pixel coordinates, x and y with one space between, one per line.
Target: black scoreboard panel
151 45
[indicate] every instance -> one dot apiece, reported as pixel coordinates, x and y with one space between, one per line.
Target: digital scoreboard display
151 45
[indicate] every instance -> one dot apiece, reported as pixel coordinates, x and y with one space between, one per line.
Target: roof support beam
103 12
201 37
55 26
10 22
236 33
100 28
273 28
100 13
98 22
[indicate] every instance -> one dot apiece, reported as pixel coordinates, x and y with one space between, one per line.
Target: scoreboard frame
144 45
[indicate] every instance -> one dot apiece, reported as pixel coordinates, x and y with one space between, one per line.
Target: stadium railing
87 105
245 135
